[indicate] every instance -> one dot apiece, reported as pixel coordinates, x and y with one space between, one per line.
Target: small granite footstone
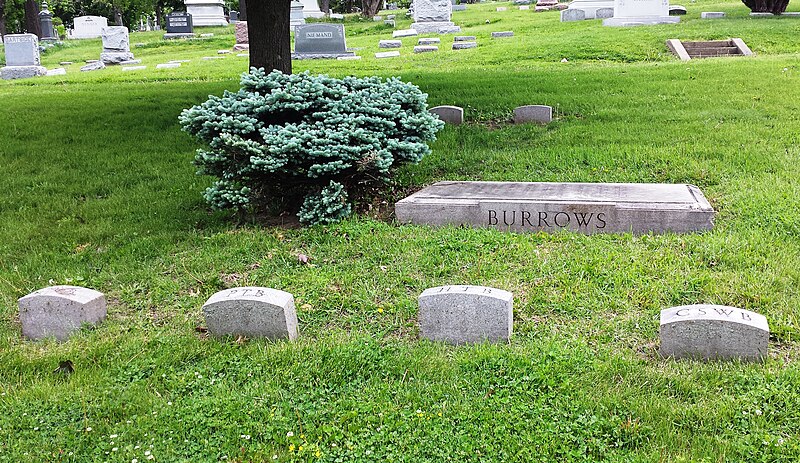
501 8
348 58
572 15
713 332
207 35
390 44
586 208
57 72
387 54
168 65
58 311
65 63
502 34
464 45
429 41
130 62
464 38
712 15
223 52
425 48
133 68
404 33
533 113
95 66
449 114
466 314
180 61
389 22
525 7
253 312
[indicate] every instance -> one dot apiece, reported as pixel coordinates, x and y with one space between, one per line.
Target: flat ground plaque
582 207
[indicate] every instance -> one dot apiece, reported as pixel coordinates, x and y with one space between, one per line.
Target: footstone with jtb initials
713 332
252 312
587 208
465 314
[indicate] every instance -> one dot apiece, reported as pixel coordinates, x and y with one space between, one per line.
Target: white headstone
88 27
58 311
252 312
311 9
206 12
433 16
640 12
466 314
590 7
22 57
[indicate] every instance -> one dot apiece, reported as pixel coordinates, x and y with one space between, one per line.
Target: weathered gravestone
179 25
429 41
433 16
712 15
242 39
466 314
604 13
387 54
319 40
58 311
640 12
581 207
502 34
425 48
533 113
713 332
572 15
88 27
404 33
22 57
390 44
464 38
449 114
464 45
253 312
116 46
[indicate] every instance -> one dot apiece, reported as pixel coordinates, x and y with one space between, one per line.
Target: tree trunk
325 6
268 35
118 16
767 6
32 25
159 13
370 8
2 18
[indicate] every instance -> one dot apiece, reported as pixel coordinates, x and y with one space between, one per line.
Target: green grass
99 191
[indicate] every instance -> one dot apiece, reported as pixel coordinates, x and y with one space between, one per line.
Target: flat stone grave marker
251 311
58 311
404 33
387 54
425 48
168 65
179 25
390 44
319 40
501 8
429 41
586 208
524 7
713 332
464 45
348 58
389 22
464 38
449 114
502 34
459 314
712 15
533 113
133 68
57 72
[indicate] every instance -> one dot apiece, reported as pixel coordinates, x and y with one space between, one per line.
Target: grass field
99 191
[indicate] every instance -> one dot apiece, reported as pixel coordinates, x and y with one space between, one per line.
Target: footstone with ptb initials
587 208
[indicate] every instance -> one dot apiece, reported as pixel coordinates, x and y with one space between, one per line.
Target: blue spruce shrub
309 139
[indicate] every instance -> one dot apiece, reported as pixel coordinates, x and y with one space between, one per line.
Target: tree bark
2 18
767 6
268 35
32 25
370 8
325 6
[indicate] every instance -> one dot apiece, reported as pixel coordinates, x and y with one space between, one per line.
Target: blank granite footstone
464 38
250 311
502 34
533 113
429 41
404 33
464 45
168 65
425 48
390 44
449 114
466 314
712 15
713 332
387 54
58 311
572 15
586 208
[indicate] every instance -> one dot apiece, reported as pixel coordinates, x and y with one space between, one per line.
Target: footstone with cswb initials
587 208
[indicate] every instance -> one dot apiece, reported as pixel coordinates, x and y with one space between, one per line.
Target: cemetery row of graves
596 261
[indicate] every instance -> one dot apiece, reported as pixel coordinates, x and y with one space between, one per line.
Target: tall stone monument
311 9
296 17
433 16
640 12
206 12
116 45
46 23
22 57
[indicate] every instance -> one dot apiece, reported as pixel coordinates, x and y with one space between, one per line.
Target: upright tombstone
640 12
206 12
22 57
433 16
242 39
58 311
253 312
460 314
88 27
586 208
116 45
311 9
449 114
296 17
46 23
540 114
713 332
320 41
179 25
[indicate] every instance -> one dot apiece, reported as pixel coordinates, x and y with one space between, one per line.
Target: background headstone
253 312
433 16
319 40
206 12
572 15
116 46
88 27
713 332
449 114
179 25
242 39
58 311
533 113
466 314
590 7
640 12
22 57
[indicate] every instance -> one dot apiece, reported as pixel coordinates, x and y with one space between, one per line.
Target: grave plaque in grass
58 311
713 332
253 312
319 40
461 314
587 208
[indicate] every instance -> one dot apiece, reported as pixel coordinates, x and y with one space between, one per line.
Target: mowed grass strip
100 192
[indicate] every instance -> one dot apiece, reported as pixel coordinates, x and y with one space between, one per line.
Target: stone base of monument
170 36
22 72
321 55
640 21
435 27
116 57
586 208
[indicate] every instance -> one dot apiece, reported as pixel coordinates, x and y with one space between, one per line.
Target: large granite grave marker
466 314
179 25
319 40
116 46
253 312
713 332
433 16
22 57
206 12
58 311
581 207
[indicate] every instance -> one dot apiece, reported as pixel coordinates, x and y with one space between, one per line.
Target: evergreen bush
307 142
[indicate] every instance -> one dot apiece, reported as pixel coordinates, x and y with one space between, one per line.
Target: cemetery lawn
99 191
